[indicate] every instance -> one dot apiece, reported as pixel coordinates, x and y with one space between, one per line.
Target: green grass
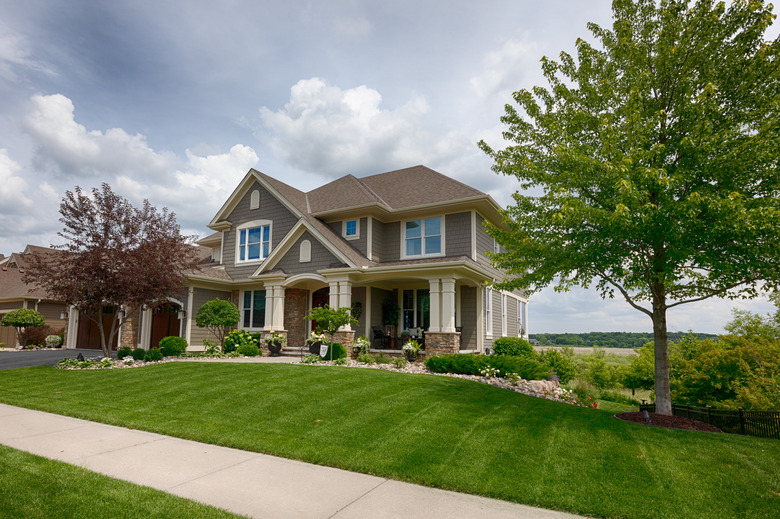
35 487
436 431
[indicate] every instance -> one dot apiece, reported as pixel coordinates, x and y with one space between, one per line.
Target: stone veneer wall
437 343
130 330
296 301
347 339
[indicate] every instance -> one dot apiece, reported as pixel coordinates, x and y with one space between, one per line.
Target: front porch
442 313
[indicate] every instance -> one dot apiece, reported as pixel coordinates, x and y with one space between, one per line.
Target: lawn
436 431
35 487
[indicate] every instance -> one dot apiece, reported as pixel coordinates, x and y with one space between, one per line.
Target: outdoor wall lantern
182 314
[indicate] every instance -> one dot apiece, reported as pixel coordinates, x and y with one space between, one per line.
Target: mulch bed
674 422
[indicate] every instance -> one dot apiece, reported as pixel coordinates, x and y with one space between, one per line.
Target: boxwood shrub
138 354
124 351
471 364
248 350
152 355
514 346
339 352
173 346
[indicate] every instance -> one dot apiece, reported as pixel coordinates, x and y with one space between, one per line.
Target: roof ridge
371 192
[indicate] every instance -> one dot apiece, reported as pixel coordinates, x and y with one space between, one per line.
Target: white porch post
278 311
448 305
269 309
73 328
333 294
345 300
435 295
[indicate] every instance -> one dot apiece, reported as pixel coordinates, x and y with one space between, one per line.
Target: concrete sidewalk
243 482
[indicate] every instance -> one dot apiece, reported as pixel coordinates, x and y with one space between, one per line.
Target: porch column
345 300
447 305
269 308
435 296
71 336
277 321
333 294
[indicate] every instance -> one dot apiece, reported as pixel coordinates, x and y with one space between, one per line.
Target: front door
319 298
165 323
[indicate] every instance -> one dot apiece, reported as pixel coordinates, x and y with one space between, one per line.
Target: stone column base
347 338
440 343
264 345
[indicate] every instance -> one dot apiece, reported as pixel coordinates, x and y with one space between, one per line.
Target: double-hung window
423 237
253 241
253 309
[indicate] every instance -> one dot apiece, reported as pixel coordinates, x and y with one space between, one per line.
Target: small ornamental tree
219 316
22 318
116 255
329 320
650 163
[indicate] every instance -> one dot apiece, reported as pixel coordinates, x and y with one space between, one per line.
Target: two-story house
411 239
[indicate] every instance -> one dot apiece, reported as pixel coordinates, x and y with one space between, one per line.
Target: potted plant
275 340
315 341
410 350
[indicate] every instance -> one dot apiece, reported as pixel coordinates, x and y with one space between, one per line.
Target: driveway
25 359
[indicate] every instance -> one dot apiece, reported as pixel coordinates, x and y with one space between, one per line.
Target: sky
174 101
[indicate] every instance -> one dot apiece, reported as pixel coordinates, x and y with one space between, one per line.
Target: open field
437 431
582 350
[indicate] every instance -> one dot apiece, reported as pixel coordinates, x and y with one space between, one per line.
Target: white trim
304 253
504 315
487 295
370 238
252 309
441 234
238 193
254 200
188 330
473 235
254 224
355 236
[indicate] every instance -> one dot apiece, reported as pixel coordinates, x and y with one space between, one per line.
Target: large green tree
650 163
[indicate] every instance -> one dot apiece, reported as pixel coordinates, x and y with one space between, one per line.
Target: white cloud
194 187
66 145
15 55
507 68
329 130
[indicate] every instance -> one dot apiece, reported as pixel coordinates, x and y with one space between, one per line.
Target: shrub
219 316
341 361
138 354
339 351
124 351
470 364
248 350
400 362
311 359
237 338
362 345
365 358
562 365
383 358
513 346
53 341
152 355
34 335
173 346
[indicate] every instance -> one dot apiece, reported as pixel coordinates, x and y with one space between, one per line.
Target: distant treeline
608 339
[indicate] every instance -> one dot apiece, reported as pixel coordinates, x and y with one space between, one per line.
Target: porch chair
380 340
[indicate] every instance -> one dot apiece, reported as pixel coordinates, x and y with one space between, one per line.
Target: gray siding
511 320
270 209
320 257
457 234
484 242
386 239
468 318
199 297
360 244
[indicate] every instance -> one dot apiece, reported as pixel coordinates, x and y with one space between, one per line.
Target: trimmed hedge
153 355
248 350
514 346
124 351
339 352
471 364
138 354
173 346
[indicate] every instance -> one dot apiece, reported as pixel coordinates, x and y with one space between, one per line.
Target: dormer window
253 241
351 229
423 237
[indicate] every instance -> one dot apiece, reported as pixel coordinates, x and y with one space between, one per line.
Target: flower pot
274 347
410 356
314 347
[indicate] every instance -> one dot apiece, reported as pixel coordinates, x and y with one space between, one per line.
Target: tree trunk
663 397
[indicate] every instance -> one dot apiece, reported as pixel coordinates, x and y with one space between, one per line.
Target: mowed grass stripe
438 431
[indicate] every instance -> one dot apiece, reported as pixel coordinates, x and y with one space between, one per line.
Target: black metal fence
764 424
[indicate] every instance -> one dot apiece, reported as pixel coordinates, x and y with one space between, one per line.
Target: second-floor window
351 229
423 237
254 242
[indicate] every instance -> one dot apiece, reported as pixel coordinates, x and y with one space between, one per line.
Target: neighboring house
14 294
412 237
